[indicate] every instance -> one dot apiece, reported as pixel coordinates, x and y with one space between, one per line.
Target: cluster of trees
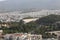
17 27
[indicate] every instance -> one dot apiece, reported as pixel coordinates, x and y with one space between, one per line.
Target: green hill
47 20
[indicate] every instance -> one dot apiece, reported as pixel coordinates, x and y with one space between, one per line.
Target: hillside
42 25
47 20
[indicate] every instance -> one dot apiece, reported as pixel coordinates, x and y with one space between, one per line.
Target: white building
21 36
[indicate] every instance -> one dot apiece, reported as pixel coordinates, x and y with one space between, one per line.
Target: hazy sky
22 4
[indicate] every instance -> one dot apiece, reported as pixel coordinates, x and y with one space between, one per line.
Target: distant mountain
21 10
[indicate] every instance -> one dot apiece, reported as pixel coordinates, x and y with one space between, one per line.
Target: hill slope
50 19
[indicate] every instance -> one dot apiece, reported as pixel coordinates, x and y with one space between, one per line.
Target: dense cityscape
29 25
17 15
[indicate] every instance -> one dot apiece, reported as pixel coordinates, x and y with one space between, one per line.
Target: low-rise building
22 36
1 32
56 33
4 25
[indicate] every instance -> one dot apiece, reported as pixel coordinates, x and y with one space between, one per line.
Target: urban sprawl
17 15
19 23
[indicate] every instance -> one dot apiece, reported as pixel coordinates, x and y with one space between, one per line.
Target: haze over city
27 4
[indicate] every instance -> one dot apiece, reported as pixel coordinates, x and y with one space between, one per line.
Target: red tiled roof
18 34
